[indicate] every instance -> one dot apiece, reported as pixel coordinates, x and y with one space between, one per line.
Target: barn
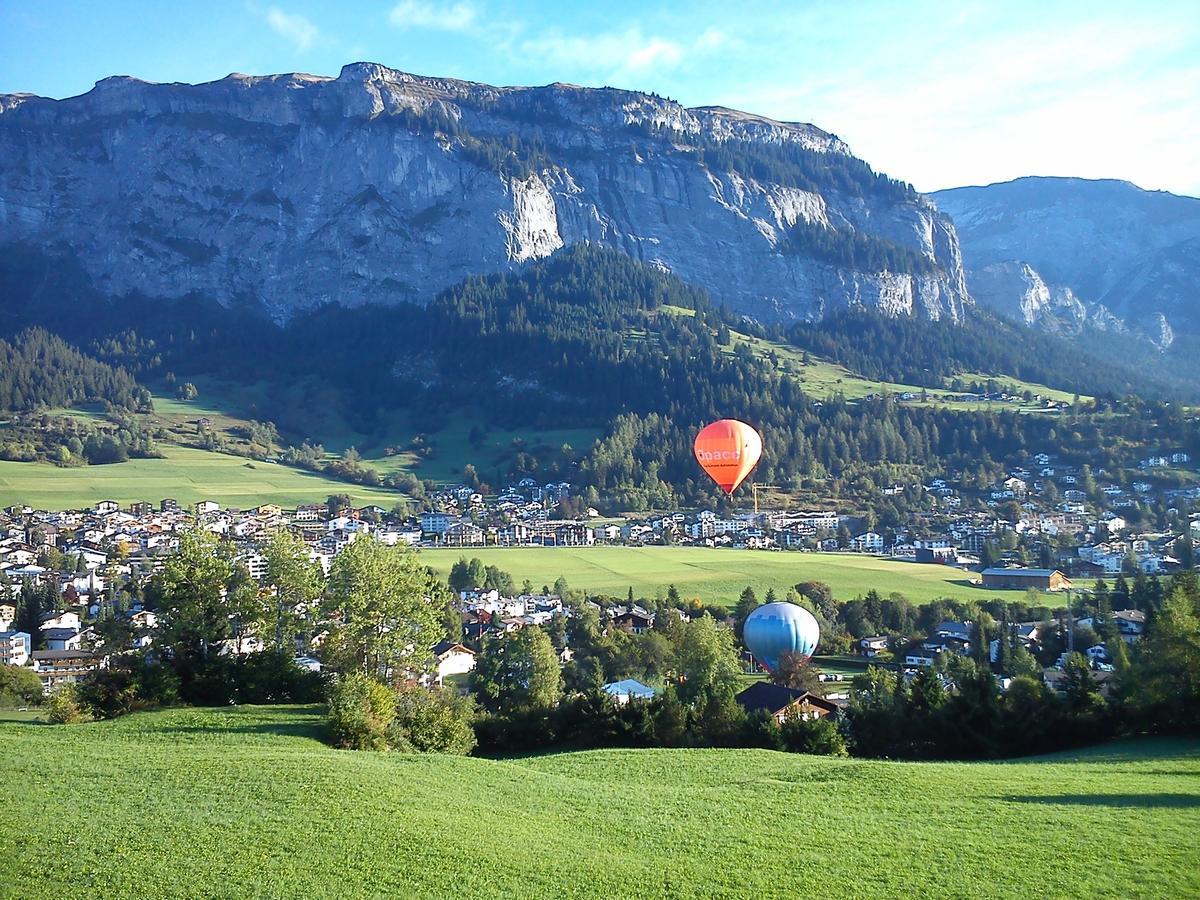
1023 579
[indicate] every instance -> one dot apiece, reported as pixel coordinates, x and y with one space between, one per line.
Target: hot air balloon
778 628
727 450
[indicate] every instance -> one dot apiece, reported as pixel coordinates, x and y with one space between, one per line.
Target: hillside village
93 561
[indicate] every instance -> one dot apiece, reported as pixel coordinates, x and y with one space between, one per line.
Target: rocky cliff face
1068 251
294 191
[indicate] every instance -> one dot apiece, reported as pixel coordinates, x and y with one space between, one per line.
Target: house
61 638
947 556
784 703
629 689
58 667
1023 579
15 647
61 620
8 615
873 646
452 659
207 506
1131 623
436 522
633 619
869 542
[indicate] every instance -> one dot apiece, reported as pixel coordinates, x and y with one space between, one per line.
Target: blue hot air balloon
778 628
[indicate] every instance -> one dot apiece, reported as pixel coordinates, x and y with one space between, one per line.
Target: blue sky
940 94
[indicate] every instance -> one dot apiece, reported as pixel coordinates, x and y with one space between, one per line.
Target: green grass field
824 378
249 802
718 576
185 474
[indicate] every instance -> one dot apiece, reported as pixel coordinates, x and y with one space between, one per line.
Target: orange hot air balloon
727 451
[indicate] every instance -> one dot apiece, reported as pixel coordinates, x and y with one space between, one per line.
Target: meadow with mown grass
184 474
250 801
719 575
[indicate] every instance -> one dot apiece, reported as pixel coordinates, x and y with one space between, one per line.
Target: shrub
108 693
818 736
20 686
265 677
270 677
65 707
361 711
762 730
129 684
433 721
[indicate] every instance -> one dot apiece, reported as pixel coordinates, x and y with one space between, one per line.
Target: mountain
1068 251
290 192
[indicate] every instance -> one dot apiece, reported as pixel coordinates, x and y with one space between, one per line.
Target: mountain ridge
1068 252
292 191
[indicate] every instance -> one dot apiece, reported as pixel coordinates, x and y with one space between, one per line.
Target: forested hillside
38 369
583 340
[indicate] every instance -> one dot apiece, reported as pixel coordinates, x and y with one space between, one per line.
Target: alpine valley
396 280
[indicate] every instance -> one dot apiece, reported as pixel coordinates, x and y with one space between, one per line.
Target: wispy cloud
295 27
458 16
618 56
1092 97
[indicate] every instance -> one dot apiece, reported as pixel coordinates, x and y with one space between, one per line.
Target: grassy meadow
185 474
249 802
825 378
719 575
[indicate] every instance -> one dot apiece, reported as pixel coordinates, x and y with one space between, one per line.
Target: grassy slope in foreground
718 576
185 474
248 802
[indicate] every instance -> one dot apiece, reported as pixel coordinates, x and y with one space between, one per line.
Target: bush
361 711
762 730
129 684
433 721
270 677
20 687
265 677
819 736
66 708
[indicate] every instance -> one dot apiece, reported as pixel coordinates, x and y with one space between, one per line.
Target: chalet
783 703
58 667
452 659
1023 579
633 619
873 646
61 638
60 620
1131 623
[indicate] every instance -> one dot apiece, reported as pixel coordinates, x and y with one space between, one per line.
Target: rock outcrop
1068 250
294 191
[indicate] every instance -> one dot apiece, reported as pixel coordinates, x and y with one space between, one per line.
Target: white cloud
620 57
293 26
438 16
1100 98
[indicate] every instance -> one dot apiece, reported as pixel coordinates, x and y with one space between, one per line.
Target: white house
15 647
452 659
869 542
